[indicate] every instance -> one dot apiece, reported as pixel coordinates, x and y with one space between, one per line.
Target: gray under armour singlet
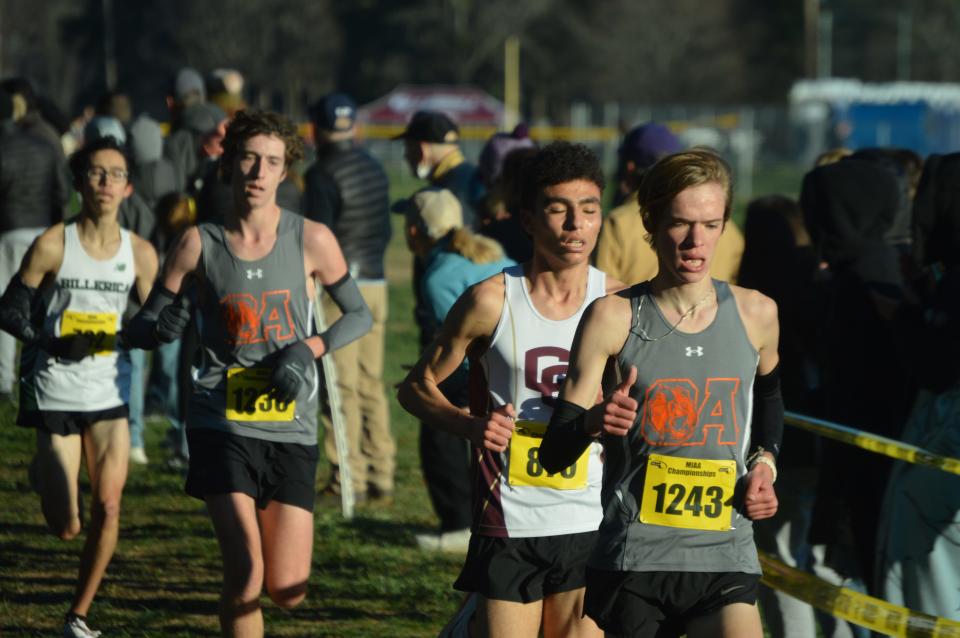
248 312
672 488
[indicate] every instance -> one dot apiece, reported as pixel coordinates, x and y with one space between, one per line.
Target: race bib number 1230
248 399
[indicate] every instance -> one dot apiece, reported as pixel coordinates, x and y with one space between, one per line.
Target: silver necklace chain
673 328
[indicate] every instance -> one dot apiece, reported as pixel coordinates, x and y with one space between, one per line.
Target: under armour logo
258 273
695 351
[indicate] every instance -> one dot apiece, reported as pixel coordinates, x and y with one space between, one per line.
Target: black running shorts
525 569
66 423
222 463
660 604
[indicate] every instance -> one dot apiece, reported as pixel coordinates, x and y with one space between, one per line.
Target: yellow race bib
525 468
688 493
247 398
103 325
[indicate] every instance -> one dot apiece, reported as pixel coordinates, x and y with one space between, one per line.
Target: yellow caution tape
874 443
866 611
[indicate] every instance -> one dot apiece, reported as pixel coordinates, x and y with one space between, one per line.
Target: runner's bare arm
182 260
44 257
601 334
576 420
469 324
324 262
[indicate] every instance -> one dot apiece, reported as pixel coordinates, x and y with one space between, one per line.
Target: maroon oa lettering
544 369
673 414
251 320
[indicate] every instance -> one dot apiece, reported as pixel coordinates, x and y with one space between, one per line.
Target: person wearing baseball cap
432 149
347 189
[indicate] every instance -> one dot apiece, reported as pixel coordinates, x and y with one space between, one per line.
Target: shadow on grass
24 529
159 604
383 532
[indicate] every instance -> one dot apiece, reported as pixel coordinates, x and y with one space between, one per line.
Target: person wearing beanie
499 167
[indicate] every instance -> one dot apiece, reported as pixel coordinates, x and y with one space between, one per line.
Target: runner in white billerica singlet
66 305
532 531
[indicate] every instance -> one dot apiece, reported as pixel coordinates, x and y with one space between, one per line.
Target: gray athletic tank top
248 312
672 488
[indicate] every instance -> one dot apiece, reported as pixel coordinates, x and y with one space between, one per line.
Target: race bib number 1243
688 493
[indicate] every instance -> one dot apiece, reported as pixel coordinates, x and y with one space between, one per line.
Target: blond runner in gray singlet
697 359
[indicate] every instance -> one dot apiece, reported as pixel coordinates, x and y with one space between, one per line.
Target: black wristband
566 437
768 412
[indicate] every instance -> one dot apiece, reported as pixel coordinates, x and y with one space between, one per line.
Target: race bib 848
525 468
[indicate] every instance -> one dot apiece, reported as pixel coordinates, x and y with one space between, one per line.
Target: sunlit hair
247 124
832 156
673 174
557 163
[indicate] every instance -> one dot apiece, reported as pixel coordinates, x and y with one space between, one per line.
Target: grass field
368 577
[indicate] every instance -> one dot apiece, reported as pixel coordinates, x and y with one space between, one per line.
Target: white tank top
88 295
525 365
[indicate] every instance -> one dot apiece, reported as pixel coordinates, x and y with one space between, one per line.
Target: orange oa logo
673 413
250 320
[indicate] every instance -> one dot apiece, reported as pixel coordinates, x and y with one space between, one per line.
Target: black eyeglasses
115 175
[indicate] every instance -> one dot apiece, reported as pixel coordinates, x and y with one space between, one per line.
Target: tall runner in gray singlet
66 305
252 416
697 358
532 531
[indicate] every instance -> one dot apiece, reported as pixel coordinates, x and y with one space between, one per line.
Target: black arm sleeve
356 320
141 332
768 411
15 311
565 439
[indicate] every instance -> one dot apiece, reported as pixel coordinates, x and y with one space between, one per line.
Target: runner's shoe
455 542
76 627
138 456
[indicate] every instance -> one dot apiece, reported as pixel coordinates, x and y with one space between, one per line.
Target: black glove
173 320
290 371
73 347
